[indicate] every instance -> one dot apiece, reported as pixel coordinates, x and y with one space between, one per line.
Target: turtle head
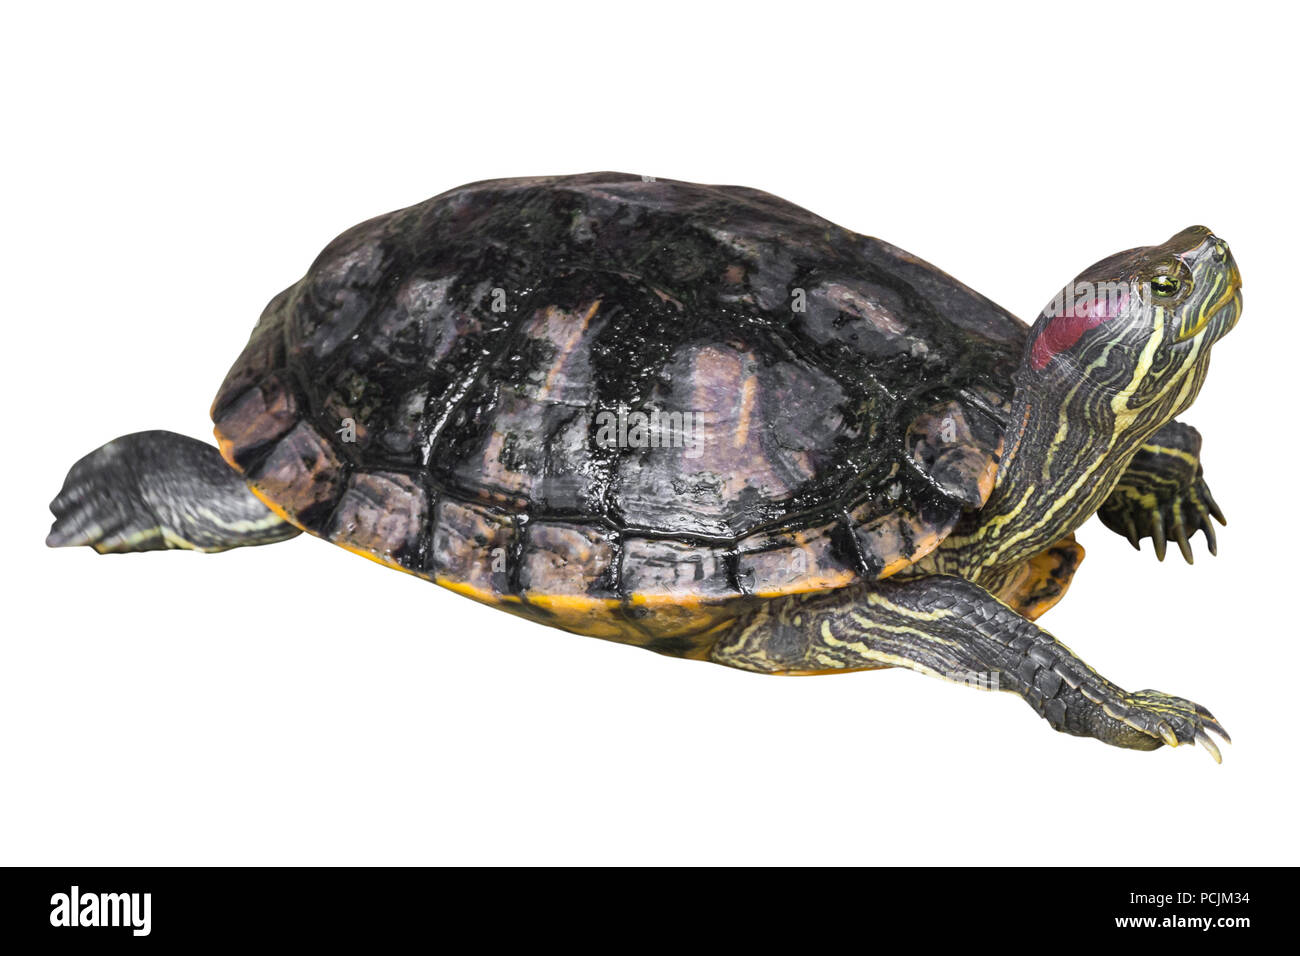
1116 355
1135 323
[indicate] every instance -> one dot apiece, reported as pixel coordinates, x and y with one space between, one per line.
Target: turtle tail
156 490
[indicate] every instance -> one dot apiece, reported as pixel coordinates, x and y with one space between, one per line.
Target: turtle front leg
1162 494
948 627
156 490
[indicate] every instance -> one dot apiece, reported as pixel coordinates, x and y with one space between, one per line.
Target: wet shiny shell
432 394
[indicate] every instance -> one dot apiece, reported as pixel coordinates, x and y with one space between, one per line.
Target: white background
166 172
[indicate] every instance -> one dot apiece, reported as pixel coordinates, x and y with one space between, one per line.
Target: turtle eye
1165 286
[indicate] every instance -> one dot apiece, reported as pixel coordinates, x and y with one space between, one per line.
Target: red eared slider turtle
704 421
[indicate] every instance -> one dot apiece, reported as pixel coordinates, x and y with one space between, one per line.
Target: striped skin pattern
949 628
852 399
1081 418
1162 494
889 471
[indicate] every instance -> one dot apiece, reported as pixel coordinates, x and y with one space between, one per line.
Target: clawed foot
1148 718
1176 517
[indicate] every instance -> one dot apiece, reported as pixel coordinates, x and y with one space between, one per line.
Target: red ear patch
1065 329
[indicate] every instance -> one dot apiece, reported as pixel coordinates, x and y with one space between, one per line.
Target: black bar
200 905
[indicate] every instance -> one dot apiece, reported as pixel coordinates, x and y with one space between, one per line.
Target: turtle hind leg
156 490
949 627
1162 494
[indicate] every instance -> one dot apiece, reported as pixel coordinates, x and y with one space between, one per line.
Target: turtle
707 422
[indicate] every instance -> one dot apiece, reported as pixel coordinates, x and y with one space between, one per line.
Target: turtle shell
619 404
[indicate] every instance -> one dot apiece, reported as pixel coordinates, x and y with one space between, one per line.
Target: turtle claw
1210 504
1174 721
1210 723
1176 518
1130 530
1158 534
1210 746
